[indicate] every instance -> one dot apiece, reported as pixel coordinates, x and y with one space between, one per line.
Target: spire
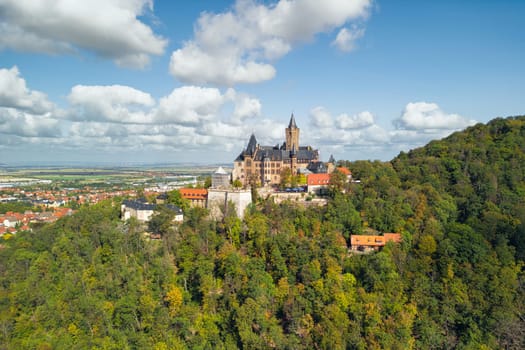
252 145
292 122
331 160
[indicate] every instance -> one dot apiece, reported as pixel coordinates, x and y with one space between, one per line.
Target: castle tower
293 160
292 135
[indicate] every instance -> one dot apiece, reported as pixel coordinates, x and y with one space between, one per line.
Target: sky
143 81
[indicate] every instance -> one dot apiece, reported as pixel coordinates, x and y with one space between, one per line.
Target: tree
237 183
338 181
176 198
162 221
286 178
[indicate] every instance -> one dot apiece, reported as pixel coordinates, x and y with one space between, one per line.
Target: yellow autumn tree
174 298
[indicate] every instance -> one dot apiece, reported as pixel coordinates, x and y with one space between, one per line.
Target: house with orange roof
197 196
317 182
366 243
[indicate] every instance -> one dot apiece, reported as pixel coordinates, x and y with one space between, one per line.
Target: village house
197 196
367 243
317 182
143 211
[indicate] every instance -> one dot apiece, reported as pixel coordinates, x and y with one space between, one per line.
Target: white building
143 211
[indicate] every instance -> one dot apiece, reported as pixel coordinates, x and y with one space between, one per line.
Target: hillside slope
483 168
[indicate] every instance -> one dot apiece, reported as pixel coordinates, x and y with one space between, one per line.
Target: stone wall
218 199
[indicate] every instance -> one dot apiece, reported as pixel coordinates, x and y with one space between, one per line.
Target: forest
283 277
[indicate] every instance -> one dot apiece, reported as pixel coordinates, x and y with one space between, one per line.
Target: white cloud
109 28
423 115
25 114
15 94
18 123
190 105
321 118
300 20
115 103
245 107
357 121
361 137
235 46
347 130
111 119
194 65
345 39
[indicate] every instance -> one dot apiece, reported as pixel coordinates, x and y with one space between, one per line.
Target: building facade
263 165
143 211
197 196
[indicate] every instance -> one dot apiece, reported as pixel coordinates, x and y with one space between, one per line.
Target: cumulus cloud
361 120
115 103
360 136
236 46
346 38
109 28
189 118
321 118
22 124
423 115
344 129
185 106
190 105
245 107
25 114
15 94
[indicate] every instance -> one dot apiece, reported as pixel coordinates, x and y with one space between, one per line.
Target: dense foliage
17 207
283 277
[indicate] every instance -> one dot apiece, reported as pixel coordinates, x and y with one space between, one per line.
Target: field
106 175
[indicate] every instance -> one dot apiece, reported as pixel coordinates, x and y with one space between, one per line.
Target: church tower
292 135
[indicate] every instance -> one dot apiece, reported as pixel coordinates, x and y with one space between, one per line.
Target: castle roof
317 167
252 145
142 205
194 193
292 122
257 152
221 171
279 154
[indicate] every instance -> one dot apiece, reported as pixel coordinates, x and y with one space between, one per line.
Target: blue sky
167 81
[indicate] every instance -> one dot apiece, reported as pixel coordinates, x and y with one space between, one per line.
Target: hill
283 277
483 168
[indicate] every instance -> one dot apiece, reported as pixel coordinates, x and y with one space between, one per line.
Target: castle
264 164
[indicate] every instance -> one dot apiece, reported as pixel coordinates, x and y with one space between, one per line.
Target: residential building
372 242
197 196
143 211
317 182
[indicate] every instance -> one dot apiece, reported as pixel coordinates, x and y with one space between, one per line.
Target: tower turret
292 135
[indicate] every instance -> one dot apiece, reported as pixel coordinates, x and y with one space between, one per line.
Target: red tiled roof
373 240
194 193
318 179
344 170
